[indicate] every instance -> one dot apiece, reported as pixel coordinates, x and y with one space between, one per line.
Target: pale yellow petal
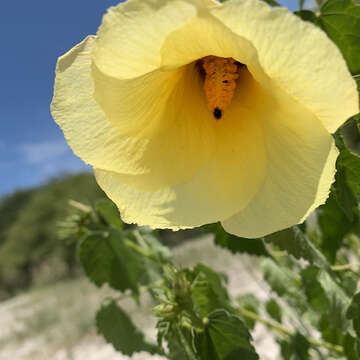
205 35
136 110
297 56
201 36
167 116
209 196
134 105
301 167
200 170
84 124
326 179
132 33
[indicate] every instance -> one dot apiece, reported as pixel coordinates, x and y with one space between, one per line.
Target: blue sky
33 34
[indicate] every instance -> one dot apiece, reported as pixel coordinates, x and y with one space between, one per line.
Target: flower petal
326 179
166 113
215 167
201 36
167 110
84 124
297 56
220 188
301 167
132 33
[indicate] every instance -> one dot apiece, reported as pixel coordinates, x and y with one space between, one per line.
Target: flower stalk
276 326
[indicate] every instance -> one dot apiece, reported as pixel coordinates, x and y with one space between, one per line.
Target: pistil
220 82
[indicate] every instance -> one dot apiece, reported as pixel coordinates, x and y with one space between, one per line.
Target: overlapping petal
166 108
131 103
222 185
300 170
177 147
297 56
132 34
85 126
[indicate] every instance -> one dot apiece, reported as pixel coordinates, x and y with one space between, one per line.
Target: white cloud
49 158
69 163
42 152
310 4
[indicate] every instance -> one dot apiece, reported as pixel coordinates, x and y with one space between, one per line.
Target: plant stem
187 347
251 315
80 206
142 289
344 267
140 251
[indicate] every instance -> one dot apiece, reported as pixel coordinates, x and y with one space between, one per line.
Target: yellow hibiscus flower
192 112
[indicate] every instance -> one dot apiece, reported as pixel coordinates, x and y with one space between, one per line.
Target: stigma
220 82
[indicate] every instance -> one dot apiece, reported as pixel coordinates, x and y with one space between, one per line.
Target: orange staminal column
220 82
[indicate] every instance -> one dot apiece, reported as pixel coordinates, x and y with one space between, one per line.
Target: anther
221 75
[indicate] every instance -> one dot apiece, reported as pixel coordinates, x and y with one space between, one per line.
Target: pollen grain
220 82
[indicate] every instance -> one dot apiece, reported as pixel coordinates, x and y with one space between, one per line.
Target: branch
345 267
251 315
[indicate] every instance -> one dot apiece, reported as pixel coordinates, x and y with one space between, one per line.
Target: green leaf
225 338
284 282
281 280
274 310
341 21
337 299
296 243
150 253
357 79
334 225
118 329
343 194
217 281
208 293
148 241
106 259
109 212
329 332
351 347
272 2
204 346
309 16
208 290
163 329
347 184
236 244
251 303
351 134
349 281
333 323
353 313
185 339
167 331
350 163
314 292
97 258
357 116
295 349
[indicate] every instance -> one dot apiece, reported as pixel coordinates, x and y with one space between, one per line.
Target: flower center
220 82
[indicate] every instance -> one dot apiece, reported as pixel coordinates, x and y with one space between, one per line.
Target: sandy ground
57 323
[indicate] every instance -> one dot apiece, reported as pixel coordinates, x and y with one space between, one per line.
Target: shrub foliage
312 270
